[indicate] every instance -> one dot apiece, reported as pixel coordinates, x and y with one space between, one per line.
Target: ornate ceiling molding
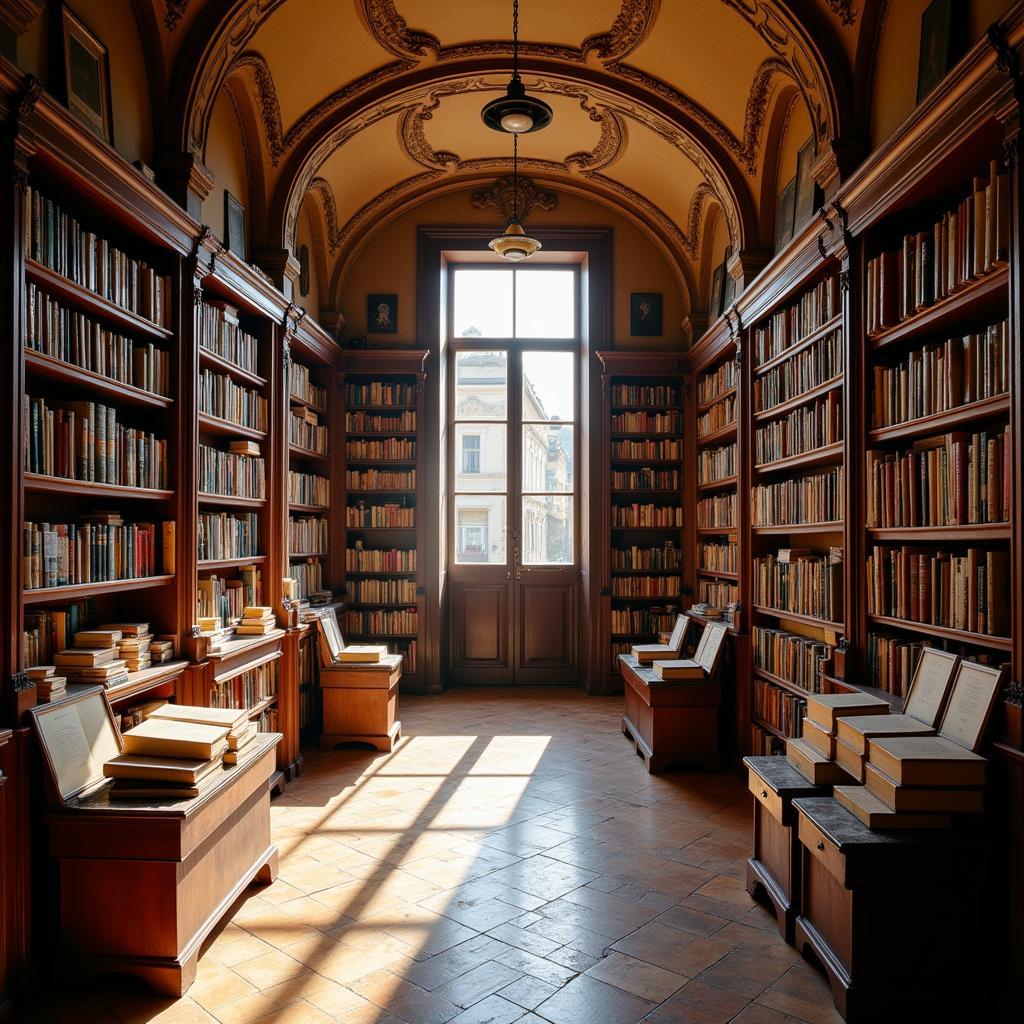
321 188
702 193
509 200
175 11
392 32
845 10
266 95
765 79
630 28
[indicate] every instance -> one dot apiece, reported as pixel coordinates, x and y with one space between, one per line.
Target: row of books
645 586
308 575
644 394
362 559
723 378
966 591
717 593
232 473
717 511
666 556
637 515
808 369
227 535
763 743
307 534
814 498
375 423
647 422
790 656
380 480
301 386
307 432
645 479
964 243
55 330
396 449
85 441
267 720
392 514
779 708
942 376
407 649
309 679
801 431
308 489
100 549
373 591
802 583
791 325
247 689
58 241
382 394
619 647
642 621
226 598
47 630
720 415
716 463
220 396
632 451
400 622
220 333
945 481
892 661
716 556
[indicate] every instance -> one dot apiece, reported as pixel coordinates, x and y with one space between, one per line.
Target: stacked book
256 620
134 645
161 649
242 731
814 755
49 685
94 659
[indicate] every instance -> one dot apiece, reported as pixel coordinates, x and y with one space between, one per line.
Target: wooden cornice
623 361
18 15
383 360
716 342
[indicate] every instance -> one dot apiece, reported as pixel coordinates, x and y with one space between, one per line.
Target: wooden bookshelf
381 403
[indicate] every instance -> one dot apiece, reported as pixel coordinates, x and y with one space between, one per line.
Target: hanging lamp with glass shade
515 245
516 112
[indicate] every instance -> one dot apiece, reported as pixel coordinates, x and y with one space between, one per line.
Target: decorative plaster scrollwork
175 11
322 187
392 31
630 28
269 106
507 199
701 193
845 9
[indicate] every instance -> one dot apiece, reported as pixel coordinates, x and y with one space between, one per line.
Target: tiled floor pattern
510 861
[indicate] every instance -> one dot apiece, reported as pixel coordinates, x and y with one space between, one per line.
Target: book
232 719
951 800
363 653
825 708
856 730
876 814
678 669
926 761
850 760
97 637
91 657
257 612
169 738
823 741
166 769
143 790
39 672
128 629
813 766
255 628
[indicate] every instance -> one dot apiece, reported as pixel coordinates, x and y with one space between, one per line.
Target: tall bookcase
380 517
644 527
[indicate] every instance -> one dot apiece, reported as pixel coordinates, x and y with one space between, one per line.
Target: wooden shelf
378 529
782 684
307 554
216 362
258 709
40 365
815 457
640 435
378 463
966 534
243 644
640 407
892 699
80 591
147 680
380 408
721 434
295 400
659 598
230 501
816 335
718 575
797 528
717 531
298 452
370 572
641 491
298 507
91 302
775 411
225 428
1000 643
646 572
381 490
768 728
660 529
940 422
968 303
209 564
37 483
718 485
382 433
720 397
808 620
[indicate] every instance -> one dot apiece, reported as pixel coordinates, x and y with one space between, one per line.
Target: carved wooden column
744 266
187 180
282 268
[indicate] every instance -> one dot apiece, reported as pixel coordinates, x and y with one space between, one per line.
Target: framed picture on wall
806 199
936 53
784 208
717 277
382 314
234 225
85 66
645 314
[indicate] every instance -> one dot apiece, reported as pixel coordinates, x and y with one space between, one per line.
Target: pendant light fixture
515 245
515 112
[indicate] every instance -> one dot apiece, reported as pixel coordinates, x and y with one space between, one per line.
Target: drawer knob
764 794
821 845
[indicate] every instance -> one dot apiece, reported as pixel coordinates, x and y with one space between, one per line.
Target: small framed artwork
973 696
784 215
86 70
645 314
715 307
936 51
382 314
234 225
303 270
806 200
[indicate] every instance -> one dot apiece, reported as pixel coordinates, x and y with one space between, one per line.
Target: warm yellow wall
798 131
225 157
895 84
304 235
388 264
719 243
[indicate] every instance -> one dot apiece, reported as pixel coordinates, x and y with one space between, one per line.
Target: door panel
548 639
481 633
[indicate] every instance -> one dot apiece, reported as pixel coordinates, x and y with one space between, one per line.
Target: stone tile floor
510 861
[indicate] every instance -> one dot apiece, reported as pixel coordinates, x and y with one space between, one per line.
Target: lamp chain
515 38
515 176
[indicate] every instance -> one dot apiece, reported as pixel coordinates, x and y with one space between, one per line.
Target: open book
703 664
334 652
647 653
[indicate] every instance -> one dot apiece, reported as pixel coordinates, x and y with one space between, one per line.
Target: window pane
547 457
548 379
545 304
547 529
480 457
481 385
480 522
482 304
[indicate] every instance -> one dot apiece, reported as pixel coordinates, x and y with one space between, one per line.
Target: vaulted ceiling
668 111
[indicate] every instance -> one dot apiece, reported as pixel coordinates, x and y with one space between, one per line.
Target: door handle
519 575
508 575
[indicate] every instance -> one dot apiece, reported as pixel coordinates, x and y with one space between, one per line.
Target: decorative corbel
187 180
